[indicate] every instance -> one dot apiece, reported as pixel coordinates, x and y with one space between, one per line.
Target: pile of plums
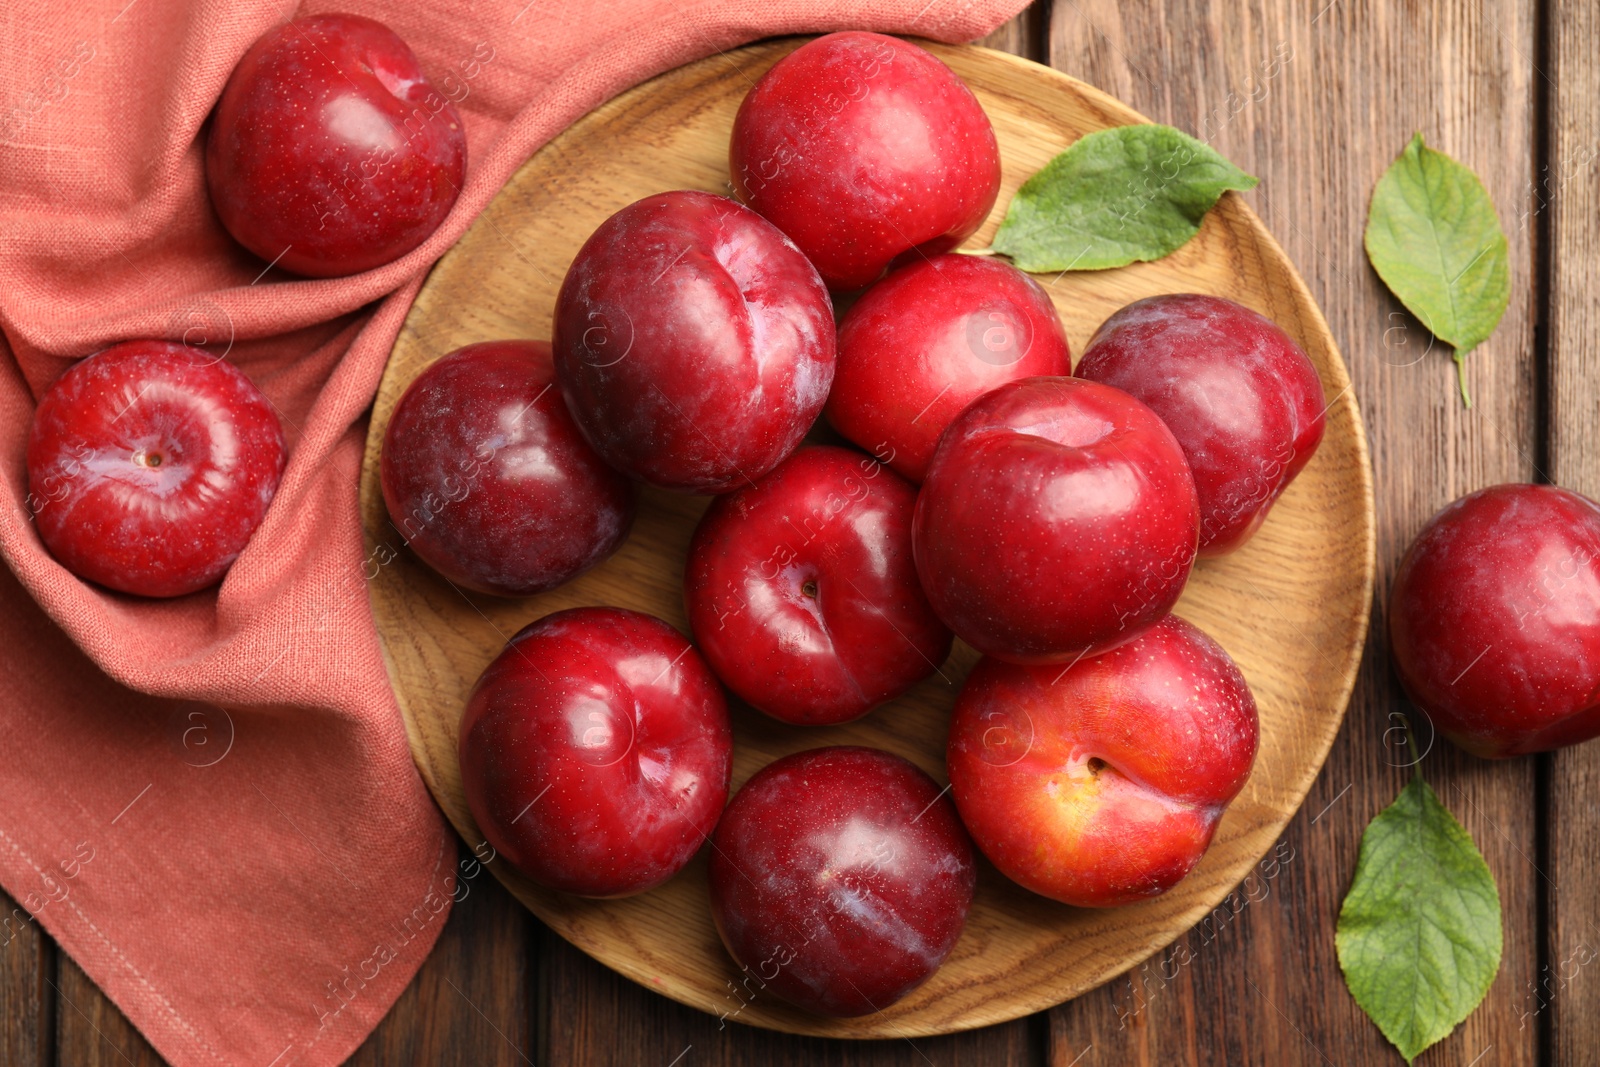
1047 519
151 463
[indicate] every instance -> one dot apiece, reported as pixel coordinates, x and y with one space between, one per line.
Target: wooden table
1513 90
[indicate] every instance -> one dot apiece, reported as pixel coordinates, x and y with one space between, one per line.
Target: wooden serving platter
1291 607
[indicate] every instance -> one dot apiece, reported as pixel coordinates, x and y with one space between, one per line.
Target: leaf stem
1461 379
1411 733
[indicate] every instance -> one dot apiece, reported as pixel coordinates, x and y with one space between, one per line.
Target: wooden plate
1292 607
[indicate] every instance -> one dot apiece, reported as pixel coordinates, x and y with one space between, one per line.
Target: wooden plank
1565 209
1026 35
90 1030
469 1002
27 963
1317 99
594 1015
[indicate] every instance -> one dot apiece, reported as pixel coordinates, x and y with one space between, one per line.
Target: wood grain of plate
1292 607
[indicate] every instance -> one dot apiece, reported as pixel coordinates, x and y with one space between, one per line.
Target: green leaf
1419 933
1435 240
1118 196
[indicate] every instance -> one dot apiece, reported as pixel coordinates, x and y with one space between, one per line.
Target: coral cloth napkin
209 802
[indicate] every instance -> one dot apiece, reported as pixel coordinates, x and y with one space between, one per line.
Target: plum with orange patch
1102 784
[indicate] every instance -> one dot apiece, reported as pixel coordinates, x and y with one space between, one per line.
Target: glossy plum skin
802 593
1057 520
1241 397
865 149
1494 620
488 480
840 880
596 752
927 341
330 152
150 464
694 344
1103 785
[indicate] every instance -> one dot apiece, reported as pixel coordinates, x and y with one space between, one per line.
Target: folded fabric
209 802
